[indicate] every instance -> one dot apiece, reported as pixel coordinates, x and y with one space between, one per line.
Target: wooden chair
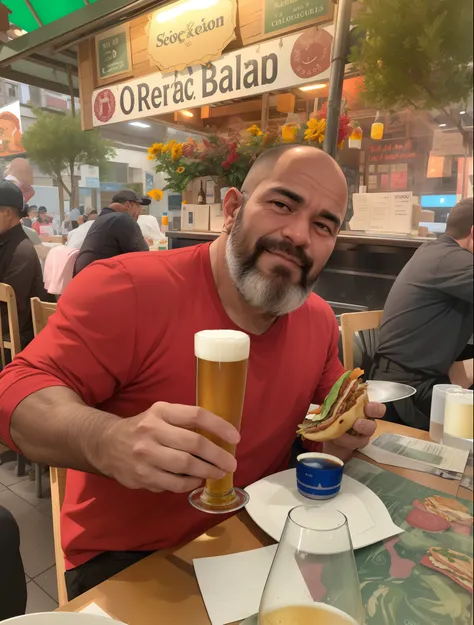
10 339
41 312
58 489
351 323
12 333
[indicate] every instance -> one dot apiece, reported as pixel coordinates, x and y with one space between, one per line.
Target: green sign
113 53
286 14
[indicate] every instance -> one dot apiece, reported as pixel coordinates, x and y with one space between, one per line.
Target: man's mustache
266 244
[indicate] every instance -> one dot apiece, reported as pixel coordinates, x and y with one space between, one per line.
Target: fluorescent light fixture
462 112
187 113
321 85
180 9
442 125
139 124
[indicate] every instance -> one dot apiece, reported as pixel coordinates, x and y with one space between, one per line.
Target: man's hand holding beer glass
161 449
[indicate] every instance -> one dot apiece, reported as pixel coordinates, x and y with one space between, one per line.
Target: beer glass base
239 501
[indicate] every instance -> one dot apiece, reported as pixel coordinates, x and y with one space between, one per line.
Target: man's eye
322 226
281 205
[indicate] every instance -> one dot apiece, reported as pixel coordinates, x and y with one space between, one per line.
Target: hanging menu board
382 212
284 15
113 53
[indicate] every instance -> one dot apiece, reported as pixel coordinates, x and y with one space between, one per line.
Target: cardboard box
216 218
187 217
195 217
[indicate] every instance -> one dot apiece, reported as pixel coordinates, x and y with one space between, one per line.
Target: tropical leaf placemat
425 575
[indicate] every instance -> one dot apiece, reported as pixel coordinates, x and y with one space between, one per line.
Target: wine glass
313 579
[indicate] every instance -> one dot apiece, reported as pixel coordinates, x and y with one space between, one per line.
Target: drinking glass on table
221 376
438 402
458 414
313 579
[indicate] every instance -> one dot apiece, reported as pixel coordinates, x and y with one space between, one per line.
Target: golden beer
318 614
221 376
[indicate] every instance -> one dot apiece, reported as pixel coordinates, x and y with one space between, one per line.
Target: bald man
108 388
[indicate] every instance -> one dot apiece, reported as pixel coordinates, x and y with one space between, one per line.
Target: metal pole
339 52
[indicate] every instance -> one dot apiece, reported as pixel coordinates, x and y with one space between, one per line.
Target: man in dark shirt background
428 319
115 231
19 263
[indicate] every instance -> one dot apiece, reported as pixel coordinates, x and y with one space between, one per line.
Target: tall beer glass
221 375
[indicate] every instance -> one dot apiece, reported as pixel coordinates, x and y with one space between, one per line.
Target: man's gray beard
274 296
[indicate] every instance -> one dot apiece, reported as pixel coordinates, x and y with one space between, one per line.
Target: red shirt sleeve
333 368
88 345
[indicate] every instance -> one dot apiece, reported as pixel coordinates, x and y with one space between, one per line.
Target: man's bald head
21 169
306 155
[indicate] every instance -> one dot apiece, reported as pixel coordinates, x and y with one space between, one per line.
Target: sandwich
343 406
457 566
450 509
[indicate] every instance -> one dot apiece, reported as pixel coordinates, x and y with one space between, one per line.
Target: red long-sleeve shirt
122 339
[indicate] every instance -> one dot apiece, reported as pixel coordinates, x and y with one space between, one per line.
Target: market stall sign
284 15
191 32
273 65
113 53
392 152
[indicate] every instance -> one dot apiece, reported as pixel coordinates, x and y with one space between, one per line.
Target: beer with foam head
221 375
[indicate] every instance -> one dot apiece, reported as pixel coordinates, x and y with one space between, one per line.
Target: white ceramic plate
60 618
384 392
273 497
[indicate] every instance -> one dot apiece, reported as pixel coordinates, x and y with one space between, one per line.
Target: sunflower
254 131
315 130
154 150
156 194
180 170
176 151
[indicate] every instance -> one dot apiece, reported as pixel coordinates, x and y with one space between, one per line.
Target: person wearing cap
19 263
115 231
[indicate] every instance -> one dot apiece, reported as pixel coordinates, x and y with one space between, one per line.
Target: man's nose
297 230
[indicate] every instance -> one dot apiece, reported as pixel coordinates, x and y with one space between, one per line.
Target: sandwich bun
343 423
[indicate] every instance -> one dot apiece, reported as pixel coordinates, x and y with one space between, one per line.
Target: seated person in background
74 217
427 319
115 231
12 574
76 238
32 214
41 249
43 219
19 263
83 394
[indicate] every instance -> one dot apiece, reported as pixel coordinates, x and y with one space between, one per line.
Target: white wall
139 159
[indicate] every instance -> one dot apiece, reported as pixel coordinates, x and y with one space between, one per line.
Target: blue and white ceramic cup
318 475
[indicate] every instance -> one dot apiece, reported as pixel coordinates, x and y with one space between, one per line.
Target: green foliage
57 143
417 53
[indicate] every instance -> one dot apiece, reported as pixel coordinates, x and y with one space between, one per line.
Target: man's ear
231 205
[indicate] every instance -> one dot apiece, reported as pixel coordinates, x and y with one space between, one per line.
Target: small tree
416 54
57 144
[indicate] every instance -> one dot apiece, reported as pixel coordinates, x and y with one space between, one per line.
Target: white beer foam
221 345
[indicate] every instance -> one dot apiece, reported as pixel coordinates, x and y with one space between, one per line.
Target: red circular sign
104 105
311 54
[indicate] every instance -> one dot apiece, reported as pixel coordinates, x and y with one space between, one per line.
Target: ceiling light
462 112
139 124
442 125
321 85
187 114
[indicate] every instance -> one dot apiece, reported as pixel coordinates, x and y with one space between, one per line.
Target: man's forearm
54 427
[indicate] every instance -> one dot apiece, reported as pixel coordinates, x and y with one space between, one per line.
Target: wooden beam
248 106
29 79
33 12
